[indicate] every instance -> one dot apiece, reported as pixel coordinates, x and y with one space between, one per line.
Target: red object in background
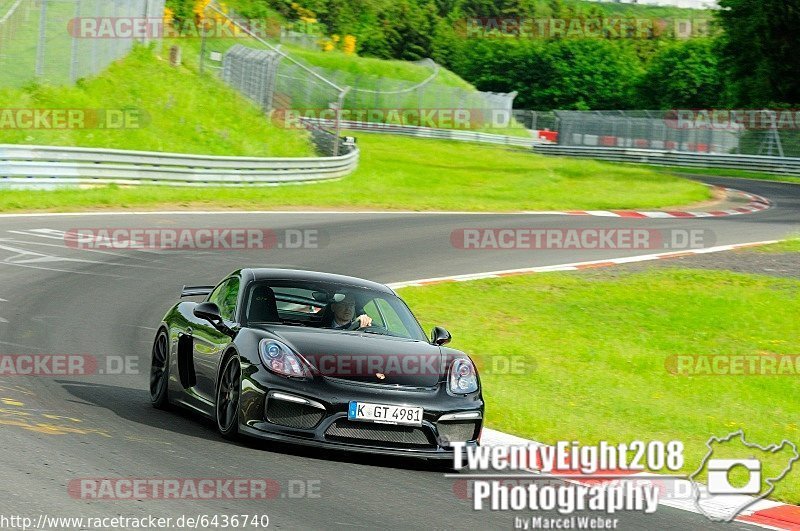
550 136
608 141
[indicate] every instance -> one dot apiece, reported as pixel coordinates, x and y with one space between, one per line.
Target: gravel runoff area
785 265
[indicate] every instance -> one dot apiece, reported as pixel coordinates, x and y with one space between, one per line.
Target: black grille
384 434
460 431
292 414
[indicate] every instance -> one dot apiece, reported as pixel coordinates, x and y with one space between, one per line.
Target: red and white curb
755 203
575 266
762 513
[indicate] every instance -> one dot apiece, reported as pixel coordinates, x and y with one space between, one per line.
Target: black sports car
318 359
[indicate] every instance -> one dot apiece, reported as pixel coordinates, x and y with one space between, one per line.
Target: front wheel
228 392
159 372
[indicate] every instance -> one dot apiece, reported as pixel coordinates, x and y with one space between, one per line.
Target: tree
562 74
684 74
409 29
759 48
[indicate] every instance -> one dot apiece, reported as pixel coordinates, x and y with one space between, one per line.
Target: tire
159 372
229 392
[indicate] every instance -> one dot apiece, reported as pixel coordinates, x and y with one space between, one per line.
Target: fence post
40 51
272 81
73 68
145 16
202 50
339 105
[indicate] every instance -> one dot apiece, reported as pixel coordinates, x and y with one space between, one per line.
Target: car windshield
313 304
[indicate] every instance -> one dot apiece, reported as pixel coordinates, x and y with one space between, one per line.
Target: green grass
5 5
790 245
185 113
20 40
399 173
369 66
716 172
594 349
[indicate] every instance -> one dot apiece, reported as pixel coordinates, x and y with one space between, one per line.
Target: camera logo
738 474
720 472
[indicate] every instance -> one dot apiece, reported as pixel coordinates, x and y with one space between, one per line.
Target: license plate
408 416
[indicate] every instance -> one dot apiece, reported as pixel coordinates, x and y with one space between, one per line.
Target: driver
344 312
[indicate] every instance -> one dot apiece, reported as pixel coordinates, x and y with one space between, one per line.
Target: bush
684 74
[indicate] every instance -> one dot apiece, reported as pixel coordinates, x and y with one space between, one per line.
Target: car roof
264 273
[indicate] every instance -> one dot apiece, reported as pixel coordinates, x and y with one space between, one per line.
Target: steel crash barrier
52 165
428 132
755 163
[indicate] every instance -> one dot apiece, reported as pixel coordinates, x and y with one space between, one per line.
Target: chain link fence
723 131
255 63
536 120
61 41
302 40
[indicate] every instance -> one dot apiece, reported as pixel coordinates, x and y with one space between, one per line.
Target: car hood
362 357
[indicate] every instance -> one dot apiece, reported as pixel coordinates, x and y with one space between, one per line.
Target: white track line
574 266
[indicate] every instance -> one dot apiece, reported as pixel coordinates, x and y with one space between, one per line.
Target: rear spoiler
196 291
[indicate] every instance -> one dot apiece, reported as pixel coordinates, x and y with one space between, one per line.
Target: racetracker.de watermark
192 489
583 27
397 365
585 239
733 365
158 28
441 118
65 118
54 365
733 119
185 239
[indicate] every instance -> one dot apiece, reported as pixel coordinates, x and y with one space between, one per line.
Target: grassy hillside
376 83
333 60
367 66
182 112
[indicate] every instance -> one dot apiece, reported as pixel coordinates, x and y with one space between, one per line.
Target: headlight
463 378
280 359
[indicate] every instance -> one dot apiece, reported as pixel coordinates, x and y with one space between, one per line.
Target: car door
209 343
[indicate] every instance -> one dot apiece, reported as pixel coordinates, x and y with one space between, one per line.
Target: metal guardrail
757 163
428 132
37 165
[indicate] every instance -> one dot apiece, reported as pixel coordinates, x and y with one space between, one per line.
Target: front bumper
322 421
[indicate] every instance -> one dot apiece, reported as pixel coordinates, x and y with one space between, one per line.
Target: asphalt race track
56 299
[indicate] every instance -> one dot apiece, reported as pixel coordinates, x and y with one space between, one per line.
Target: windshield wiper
372 332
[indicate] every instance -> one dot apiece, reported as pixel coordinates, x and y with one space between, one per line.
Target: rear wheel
228 392
159 372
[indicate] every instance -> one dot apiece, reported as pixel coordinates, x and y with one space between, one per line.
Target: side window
371 309
225 297
393 322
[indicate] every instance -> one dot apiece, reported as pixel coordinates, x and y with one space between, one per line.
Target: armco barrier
757 163
37 165
428 132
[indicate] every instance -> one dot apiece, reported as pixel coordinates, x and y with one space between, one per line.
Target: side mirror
210 312
440 336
